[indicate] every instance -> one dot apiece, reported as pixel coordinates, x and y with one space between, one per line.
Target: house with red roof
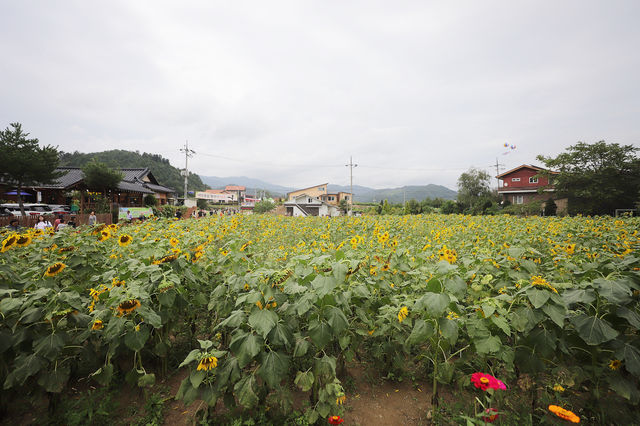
239 191
527 183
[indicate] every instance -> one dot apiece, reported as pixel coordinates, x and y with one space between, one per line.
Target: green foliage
100 177
550 207
263 207
597 178
450 207
267 304
150 200
202 204
163 171
533 208
343 206
24 162
474 190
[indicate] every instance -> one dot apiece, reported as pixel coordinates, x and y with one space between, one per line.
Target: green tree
474 190
100 177
550 207
202 204
596 178
343 206
450 207
263 206
24 161
150 200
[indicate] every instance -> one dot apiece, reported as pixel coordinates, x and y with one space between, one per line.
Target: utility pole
351 166
187 153
498 165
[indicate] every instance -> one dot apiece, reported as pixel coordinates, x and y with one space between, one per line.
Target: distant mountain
160 167
398 195
362 194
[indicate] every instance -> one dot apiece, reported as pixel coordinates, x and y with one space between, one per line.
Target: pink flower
485 381
492 415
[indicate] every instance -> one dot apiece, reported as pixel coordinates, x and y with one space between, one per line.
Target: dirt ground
371 402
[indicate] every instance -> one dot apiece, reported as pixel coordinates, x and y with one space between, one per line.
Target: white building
306 205
217 196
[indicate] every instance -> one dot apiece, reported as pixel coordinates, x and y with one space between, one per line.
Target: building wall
523 175
316 191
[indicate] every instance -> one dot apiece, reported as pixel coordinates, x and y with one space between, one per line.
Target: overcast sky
416 91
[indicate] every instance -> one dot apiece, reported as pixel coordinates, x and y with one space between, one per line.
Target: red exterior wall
524 174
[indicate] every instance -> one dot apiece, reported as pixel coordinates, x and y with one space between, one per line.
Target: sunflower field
258 307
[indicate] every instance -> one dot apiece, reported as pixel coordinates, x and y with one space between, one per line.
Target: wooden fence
79 219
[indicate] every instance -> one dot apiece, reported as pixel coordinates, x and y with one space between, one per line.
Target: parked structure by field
307 205
321 192
527 183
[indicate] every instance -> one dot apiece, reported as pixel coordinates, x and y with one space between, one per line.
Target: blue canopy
15 192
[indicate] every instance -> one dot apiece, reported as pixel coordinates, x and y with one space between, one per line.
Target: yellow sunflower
124 240
128 306
97 325
54 269
104 235
23 240
8 242
207 363
615 364
404 311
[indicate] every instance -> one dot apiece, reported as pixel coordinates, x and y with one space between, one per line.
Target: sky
417 92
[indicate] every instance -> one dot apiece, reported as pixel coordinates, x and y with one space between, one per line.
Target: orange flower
564 414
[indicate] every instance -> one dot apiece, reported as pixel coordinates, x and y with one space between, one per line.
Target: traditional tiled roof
132 180
159 188
71 177
133 187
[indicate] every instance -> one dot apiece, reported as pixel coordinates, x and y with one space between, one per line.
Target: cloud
286 91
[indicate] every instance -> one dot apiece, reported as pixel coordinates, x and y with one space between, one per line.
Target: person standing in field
42 224
92 218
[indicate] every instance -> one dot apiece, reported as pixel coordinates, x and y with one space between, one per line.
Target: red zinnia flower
492 415
335 420
484 381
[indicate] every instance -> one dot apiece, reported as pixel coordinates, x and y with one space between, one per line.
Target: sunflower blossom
55 269
207 363
403 313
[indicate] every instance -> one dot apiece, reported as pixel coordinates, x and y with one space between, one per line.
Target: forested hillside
163 171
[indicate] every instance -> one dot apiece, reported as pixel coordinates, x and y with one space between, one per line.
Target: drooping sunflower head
128 306
8 243
55 269
207 363
124 240
23 240
117 283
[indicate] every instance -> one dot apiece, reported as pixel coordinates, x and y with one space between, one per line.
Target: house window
533 179
346 197
309 200
515 179
332 198
518 199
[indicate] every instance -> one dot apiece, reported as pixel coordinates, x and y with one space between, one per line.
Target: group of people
58 225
